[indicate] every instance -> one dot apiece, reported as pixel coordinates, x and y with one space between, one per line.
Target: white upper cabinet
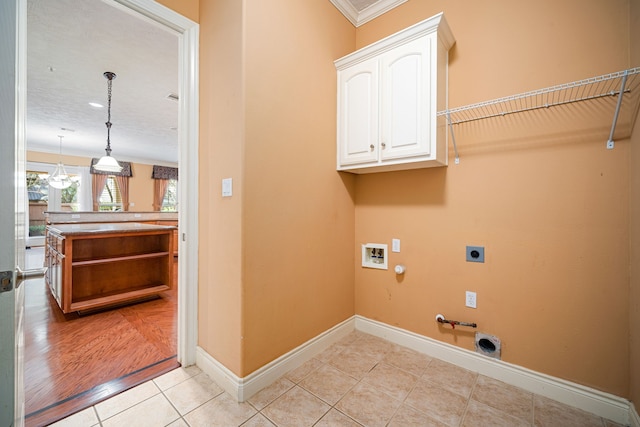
388 96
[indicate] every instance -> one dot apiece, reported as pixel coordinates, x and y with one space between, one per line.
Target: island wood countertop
94 217
104 228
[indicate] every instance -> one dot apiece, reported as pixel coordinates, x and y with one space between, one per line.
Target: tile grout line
466 406
358 382
180 416
533 409
95 411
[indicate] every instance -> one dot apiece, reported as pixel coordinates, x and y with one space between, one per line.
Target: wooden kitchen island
96 265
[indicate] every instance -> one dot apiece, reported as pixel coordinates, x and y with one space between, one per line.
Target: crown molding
367 14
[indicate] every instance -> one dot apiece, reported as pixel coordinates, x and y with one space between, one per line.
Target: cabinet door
358 125
406 103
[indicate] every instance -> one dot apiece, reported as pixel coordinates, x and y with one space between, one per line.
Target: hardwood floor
74 361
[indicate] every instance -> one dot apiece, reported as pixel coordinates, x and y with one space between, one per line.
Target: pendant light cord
110 76
60 152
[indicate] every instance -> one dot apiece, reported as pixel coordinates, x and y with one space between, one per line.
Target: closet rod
581 90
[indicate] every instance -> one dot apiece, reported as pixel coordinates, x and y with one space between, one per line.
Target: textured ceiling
70 44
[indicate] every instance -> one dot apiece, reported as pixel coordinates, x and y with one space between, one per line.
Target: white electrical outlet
470 300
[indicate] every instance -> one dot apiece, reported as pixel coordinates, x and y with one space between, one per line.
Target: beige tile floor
360 381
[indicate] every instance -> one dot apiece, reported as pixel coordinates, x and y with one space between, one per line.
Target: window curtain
159 190
123 186
97 185
100 179
161 176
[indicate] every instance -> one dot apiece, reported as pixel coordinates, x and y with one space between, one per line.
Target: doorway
187 33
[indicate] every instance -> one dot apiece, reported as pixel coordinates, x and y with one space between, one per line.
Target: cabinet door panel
406 101
358 133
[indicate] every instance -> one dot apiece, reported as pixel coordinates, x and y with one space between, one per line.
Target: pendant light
108 163
59 179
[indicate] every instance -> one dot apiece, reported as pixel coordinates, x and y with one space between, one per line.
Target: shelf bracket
610 143
453 138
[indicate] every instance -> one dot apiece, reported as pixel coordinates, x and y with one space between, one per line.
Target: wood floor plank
73 362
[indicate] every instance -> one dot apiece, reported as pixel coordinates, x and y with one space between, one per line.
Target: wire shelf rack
607 85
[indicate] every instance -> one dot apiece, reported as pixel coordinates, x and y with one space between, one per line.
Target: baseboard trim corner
242 388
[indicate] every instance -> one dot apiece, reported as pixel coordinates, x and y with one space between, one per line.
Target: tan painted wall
276 260
634 299
221 152
187 8
298 211
540 192
140 185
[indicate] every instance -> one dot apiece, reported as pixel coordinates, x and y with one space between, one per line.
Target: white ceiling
70 44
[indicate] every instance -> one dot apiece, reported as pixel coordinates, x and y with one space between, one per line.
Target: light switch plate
227 187
395 245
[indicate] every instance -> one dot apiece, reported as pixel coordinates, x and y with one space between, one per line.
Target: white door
12 207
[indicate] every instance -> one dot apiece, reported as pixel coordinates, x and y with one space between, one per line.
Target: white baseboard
634 418
597 402
591 400
243 388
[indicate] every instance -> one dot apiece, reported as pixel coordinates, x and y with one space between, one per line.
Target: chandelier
59 179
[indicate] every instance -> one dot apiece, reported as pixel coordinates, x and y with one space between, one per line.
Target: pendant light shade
108 163
59 179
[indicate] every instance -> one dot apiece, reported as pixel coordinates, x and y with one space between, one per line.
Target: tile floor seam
466 406
169 400
533 409
331 407
95 411
123 410
334 405
194 409
359 382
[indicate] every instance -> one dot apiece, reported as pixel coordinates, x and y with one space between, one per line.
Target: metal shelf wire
607 85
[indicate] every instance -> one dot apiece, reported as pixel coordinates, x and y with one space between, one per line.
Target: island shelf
93 266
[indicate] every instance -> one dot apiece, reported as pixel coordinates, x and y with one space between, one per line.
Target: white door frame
188 35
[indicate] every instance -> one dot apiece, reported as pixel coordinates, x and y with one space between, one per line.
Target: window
38 192
110 199
170 201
